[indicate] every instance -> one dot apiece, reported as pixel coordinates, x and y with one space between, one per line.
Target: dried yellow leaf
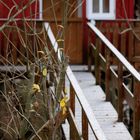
63 105
36 88
44 71
60 40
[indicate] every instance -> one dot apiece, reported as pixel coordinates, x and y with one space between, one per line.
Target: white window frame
101 15
40 9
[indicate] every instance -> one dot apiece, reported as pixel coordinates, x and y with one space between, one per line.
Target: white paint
52 39
101 15
40 9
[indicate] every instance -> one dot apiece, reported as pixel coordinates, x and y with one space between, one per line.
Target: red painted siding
124 9
9 8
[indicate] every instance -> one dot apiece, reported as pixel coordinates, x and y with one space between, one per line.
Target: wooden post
108 61
120 92
89 58
72 106
72 99
97 64
136 113
84 126
131 46
115 39
123 40
107 75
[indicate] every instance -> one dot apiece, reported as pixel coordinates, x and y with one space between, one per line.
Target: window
101 9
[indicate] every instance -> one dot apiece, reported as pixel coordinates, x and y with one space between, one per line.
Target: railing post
136 113
89 50
84 126
107 75
72 106
72 99
120 92
89 58
97 63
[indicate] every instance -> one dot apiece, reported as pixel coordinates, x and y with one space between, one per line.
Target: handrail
97 131
86 107
122 59
104 62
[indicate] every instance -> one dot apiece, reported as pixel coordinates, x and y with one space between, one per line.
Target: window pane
96 6
105 6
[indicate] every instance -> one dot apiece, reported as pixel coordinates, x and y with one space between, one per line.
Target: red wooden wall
121 6
9 8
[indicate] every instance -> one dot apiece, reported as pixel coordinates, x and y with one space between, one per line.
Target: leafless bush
31 81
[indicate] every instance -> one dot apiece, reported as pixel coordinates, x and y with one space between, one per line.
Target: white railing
112 48
87 115
132 97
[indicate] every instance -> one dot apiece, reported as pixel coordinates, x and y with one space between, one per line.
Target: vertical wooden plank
123 40
116 35
89 57
5 46
120 92
84 126
72 99
101 44
108 31
108 61
97 64
72 106
136 113
85 30
97 59
74 131
130 46
107 75
115 39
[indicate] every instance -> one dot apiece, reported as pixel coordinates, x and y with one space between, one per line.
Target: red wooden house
106 11
116 19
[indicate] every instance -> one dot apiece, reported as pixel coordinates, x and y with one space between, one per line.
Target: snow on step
104 112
